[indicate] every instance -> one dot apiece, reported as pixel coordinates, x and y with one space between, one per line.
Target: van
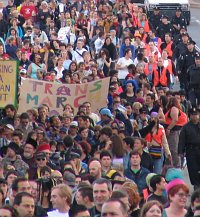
168 7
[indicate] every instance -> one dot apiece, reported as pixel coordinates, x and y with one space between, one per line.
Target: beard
28 155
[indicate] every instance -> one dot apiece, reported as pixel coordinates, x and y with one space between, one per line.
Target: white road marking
195 20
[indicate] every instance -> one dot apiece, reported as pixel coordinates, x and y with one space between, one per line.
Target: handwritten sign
62 33
33 93
8 83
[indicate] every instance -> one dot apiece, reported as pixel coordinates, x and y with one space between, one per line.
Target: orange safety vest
144 38
135 20
146 26
159 42
146 68
156 137
162 79
148 52
182 118
169 49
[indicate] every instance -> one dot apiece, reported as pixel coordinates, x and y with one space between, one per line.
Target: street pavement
193 28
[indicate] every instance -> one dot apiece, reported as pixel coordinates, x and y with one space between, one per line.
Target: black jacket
189 137
186 60
163 29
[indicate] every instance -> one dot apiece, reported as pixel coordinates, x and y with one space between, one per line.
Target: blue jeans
158 164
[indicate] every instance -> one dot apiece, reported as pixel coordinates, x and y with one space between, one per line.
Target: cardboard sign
33 93
8 82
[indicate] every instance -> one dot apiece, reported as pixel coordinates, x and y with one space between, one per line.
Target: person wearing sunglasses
41 161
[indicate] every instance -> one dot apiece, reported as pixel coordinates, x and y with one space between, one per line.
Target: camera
70 154
46 184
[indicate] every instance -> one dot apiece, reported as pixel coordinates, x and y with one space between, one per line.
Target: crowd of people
127 160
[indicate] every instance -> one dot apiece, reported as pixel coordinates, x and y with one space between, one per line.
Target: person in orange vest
143 22
161 75
175 120
151 48
150 66
168 45
157 144
169 64
135 15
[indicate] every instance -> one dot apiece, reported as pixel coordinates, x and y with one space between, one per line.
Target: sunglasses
40 132
39 159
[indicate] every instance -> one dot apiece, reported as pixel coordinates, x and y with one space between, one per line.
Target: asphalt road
193 28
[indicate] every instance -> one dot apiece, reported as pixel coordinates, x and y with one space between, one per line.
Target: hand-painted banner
8 83
33 93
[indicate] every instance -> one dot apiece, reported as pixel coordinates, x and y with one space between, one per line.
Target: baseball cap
74 124
40 155
23 71
69 179
106 111
63 129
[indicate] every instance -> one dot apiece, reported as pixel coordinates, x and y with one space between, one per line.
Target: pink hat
43 147
174 183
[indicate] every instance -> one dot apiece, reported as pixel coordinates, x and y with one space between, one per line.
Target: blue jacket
11 51
124 47
139 178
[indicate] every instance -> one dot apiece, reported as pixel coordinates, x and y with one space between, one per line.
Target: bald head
95 169
56 174
114 207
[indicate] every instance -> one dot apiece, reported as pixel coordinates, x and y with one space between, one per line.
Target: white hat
23 71
74 124
9 126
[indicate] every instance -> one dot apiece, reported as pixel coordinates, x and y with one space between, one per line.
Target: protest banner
8 82
33 93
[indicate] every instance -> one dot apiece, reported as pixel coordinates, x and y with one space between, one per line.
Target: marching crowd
127 160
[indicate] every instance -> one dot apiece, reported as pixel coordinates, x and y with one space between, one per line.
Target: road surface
193 28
